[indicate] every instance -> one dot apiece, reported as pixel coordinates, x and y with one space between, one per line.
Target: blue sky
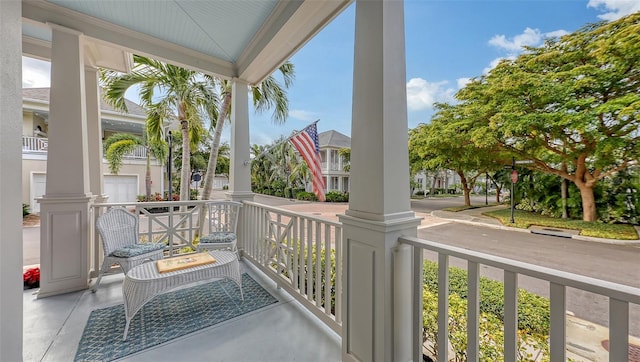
447 43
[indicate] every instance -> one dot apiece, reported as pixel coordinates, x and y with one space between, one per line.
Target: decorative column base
239 196
369 327
64 244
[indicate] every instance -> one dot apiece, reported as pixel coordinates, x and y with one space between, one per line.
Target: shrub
307 196
336 196
420 193
533 310
25 210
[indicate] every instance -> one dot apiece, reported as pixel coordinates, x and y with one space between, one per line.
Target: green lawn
525 219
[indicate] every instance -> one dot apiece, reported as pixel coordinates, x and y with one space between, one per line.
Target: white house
123 187
330 142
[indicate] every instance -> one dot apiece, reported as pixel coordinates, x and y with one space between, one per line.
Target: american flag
306 142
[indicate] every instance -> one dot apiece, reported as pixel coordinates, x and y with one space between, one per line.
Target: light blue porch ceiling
247 39
219 28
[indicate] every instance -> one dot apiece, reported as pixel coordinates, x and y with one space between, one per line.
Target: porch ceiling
244 39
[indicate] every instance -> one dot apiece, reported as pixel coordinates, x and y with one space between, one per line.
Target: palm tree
266 95
167 92
119 144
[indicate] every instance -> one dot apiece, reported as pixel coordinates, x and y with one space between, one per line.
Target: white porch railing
173 223
619 298
302 254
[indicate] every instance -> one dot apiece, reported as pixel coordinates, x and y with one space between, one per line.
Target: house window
334 183
345 184
323 158
335 160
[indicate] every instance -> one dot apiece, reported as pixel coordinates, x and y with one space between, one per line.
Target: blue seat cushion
218 237
137 249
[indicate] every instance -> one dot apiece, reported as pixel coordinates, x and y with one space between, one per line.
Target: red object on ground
31 277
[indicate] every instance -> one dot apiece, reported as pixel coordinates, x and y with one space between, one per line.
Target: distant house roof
334 139
42 94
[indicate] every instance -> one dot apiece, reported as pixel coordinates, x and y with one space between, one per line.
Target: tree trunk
588 202
564 188
215 148
147 176
433 184
213 157
465 189
186 153
564 191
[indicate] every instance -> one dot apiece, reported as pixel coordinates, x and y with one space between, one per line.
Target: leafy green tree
572 105
345 153
447 143
270 93
118 145
167 92
260 168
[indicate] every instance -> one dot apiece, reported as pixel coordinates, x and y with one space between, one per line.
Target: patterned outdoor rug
168 316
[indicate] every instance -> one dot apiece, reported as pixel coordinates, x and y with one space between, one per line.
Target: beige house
123 187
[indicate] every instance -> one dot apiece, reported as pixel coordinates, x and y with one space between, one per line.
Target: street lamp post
486 188
514 179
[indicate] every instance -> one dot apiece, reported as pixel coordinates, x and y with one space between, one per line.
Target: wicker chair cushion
137 249
218 237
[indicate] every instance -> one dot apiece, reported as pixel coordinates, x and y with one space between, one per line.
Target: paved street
615 263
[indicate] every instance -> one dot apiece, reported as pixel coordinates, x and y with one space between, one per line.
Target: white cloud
35 73
529 37
303 115
494 63
422 94
615 9
462 82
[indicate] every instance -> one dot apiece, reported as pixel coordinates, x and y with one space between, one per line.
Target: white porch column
374 329
94 133
96 176
64 209
10 180
240 168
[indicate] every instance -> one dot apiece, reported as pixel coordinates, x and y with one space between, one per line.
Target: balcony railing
40 145
303 255
34 144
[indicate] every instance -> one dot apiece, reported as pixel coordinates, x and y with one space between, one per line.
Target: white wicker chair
118 230
223 224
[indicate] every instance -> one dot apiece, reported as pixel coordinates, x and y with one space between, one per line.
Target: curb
509 228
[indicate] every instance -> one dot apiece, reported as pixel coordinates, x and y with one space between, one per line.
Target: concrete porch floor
280 332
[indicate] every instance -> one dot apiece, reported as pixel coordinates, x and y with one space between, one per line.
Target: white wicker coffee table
144 282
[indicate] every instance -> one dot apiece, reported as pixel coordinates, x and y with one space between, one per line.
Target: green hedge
533 310
336 196
307 196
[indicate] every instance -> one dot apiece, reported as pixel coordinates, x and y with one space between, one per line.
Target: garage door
121 188
38 186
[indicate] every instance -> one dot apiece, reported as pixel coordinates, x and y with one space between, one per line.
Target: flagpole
283 141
